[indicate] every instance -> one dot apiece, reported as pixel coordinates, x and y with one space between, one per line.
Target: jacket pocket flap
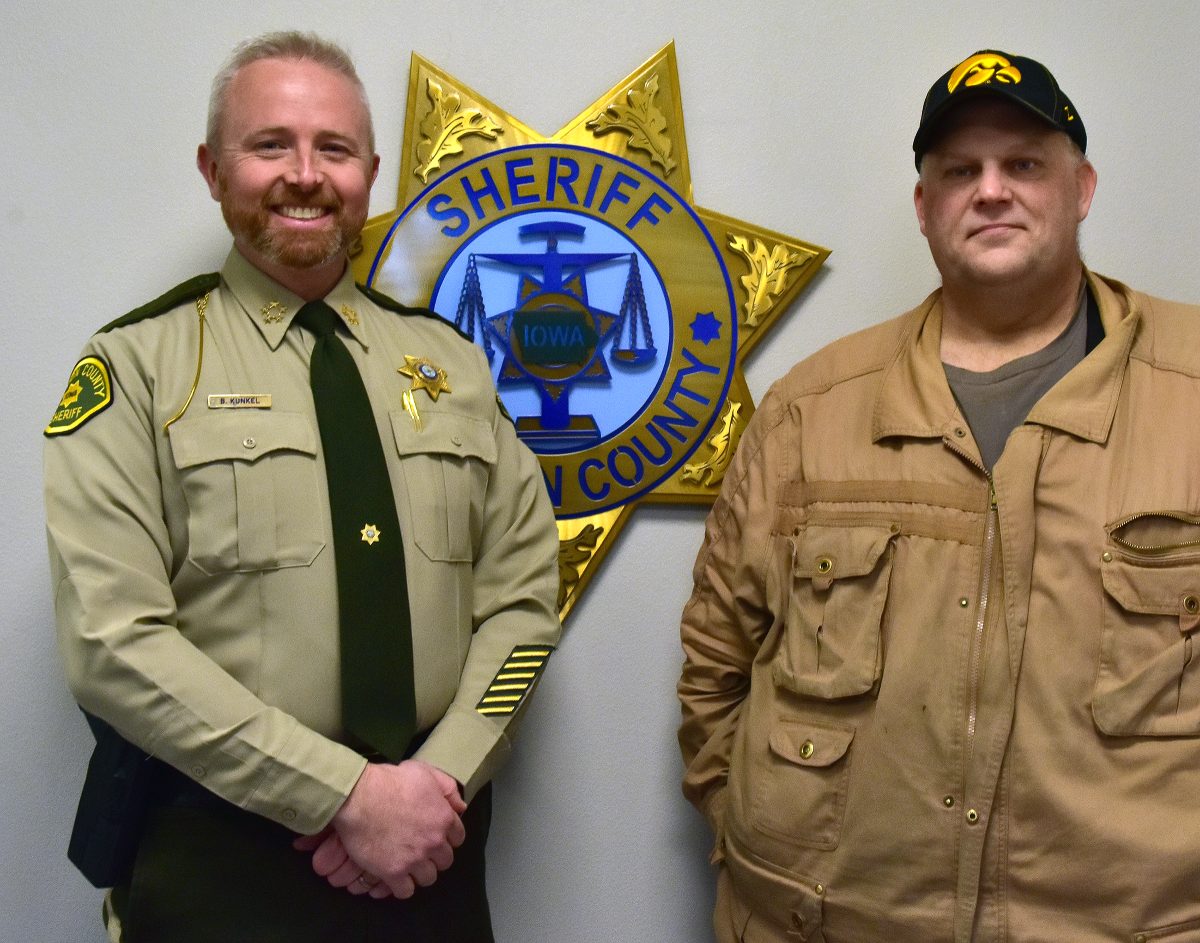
443 433
1153 590
826 553
243 435
810 744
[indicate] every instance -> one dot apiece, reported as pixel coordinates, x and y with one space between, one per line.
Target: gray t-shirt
997 401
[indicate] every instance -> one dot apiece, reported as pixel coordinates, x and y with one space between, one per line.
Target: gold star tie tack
370 534
350 315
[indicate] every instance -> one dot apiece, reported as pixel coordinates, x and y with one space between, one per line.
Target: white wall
799 117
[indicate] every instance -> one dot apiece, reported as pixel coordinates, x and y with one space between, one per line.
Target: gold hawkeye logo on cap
982 68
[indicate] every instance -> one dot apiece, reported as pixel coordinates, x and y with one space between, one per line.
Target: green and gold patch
89 391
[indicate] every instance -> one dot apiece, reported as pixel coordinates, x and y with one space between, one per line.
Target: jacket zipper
985 581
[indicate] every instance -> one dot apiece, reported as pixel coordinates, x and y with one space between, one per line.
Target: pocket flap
1154 590
242 434
826 553
443 433
806 743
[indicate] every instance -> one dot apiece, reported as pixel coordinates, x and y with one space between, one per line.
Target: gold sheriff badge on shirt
615 313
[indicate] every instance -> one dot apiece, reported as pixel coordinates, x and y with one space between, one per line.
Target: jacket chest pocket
446 465
248 479
1148 681
832 643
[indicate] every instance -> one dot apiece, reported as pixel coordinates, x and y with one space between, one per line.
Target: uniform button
972 816
964 602
824 564
1191 604
1106 557
249 442
289 815
806 749
820 889
1139 938
456 439
960 431
198 771
948 802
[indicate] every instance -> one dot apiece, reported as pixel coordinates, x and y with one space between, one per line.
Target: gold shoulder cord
201 306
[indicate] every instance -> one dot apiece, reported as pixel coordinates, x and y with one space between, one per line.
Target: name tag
239 400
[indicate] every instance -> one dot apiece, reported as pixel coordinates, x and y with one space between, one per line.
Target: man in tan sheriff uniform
941 676
193 566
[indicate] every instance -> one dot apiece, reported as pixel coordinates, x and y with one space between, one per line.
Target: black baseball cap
1018 79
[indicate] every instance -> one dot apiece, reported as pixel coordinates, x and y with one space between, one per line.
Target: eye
1024 165
269 147
338 150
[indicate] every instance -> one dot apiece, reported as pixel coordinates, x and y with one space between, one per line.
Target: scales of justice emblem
552 335
614 312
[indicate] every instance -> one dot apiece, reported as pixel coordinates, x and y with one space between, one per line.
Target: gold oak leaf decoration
768 273
445 126
722 445
573 554
642 121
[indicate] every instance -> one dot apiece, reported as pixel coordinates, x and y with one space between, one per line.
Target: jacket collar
271 307
914 398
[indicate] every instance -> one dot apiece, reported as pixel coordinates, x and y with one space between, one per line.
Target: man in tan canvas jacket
940 681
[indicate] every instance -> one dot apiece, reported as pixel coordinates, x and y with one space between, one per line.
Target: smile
301 212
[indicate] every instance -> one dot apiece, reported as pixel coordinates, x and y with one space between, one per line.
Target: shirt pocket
250 482
1148 680
832 642
801 797
446 465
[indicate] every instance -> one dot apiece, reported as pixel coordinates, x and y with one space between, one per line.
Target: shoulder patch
190 290
391 304
89 391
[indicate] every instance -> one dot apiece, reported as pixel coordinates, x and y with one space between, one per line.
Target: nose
992 185
304 172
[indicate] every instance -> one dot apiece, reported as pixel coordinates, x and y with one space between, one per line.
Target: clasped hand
397 829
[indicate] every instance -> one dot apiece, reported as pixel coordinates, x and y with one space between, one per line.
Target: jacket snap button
972 816
1191 604
249 442
1106 557
824 565
806 749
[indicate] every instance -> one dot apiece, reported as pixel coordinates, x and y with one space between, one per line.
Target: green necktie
378 706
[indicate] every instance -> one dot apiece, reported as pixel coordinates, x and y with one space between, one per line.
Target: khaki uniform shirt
193 569
925 704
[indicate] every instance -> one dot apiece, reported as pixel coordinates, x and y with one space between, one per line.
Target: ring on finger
362 880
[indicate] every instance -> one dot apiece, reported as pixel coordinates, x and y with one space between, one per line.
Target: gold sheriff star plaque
616 314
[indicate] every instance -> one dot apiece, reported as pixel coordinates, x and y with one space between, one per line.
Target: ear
1085 179
206 163
919 205
374 169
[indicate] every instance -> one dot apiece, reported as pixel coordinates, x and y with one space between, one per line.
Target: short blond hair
285 44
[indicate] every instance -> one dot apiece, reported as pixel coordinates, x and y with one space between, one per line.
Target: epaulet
386 301
190 290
